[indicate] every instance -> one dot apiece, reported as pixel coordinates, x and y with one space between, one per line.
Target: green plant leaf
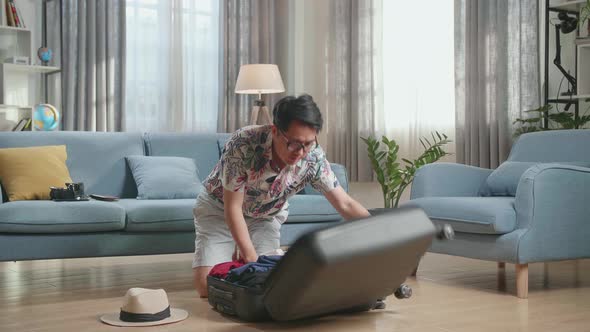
422 142
392 176
408 161
529 120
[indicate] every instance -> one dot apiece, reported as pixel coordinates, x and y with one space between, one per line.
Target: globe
45 117
44 54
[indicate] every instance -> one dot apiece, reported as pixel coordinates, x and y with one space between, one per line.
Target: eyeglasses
296 146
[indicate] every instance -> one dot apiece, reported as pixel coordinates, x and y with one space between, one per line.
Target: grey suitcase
341 268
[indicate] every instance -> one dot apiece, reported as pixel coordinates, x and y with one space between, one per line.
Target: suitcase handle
223 294
222 300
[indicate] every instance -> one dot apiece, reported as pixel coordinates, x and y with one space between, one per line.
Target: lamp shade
259 78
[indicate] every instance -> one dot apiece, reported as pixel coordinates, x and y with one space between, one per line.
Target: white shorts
214 243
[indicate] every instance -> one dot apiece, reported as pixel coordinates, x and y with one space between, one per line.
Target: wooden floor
450 294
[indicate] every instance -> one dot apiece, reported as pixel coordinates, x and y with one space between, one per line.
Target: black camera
72 192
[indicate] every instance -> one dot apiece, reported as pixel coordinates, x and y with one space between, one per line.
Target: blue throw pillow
504 180
165 177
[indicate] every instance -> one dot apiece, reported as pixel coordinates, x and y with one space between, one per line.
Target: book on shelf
21 124
28 124
19 15
17 19
9 15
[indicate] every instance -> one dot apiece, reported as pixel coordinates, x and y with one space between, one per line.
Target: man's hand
236 256
250 259
346 205
234 218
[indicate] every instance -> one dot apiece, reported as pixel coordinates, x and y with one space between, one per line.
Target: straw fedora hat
145 307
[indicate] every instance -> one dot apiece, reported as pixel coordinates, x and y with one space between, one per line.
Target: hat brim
176 315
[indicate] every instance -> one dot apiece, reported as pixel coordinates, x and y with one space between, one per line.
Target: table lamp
259 79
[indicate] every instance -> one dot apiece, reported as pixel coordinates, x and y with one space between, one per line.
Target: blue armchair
532 208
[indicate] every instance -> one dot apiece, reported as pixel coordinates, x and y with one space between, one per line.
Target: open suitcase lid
348 265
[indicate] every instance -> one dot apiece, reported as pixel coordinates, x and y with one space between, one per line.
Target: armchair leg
522 280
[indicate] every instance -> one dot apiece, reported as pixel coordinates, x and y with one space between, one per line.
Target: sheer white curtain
418 73
350 87
497 75
173 56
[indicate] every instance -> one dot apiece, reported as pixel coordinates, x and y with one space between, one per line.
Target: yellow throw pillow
27 173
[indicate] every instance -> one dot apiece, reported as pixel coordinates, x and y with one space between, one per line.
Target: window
418 71
173 55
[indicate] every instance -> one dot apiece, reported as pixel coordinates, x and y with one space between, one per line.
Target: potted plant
557 120
393 176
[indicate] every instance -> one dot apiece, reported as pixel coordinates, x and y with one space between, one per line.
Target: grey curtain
496 73
249 37
93 60
351 83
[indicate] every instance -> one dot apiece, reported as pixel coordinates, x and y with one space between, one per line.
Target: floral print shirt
245 166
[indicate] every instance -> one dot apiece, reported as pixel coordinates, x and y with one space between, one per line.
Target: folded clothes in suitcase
346 267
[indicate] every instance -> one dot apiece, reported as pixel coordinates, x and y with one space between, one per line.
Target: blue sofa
532 208
48 229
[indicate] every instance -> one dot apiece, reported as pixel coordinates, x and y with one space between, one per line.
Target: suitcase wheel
403 292
379 305
225 309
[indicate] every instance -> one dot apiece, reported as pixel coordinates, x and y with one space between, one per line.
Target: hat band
138 318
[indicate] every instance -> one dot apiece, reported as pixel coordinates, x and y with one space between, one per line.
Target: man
245 201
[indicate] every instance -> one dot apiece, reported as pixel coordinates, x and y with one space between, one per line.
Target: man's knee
200 279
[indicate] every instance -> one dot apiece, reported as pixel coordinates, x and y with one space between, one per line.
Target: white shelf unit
20 84
11 115
583 76
573 5
30 69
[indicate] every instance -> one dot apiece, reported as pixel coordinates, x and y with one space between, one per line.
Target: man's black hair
302 108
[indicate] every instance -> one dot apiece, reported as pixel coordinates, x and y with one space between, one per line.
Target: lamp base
260 115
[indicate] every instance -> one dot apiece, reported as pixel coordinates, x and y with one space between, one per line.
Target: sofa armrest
553 211
448 179
341 175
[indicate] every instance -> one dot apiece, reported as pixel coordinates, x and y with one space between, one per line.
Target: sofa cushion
482 215
27 173
504 180
95 158
311 208
165 177
202 148
60 217
159 215
341 175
